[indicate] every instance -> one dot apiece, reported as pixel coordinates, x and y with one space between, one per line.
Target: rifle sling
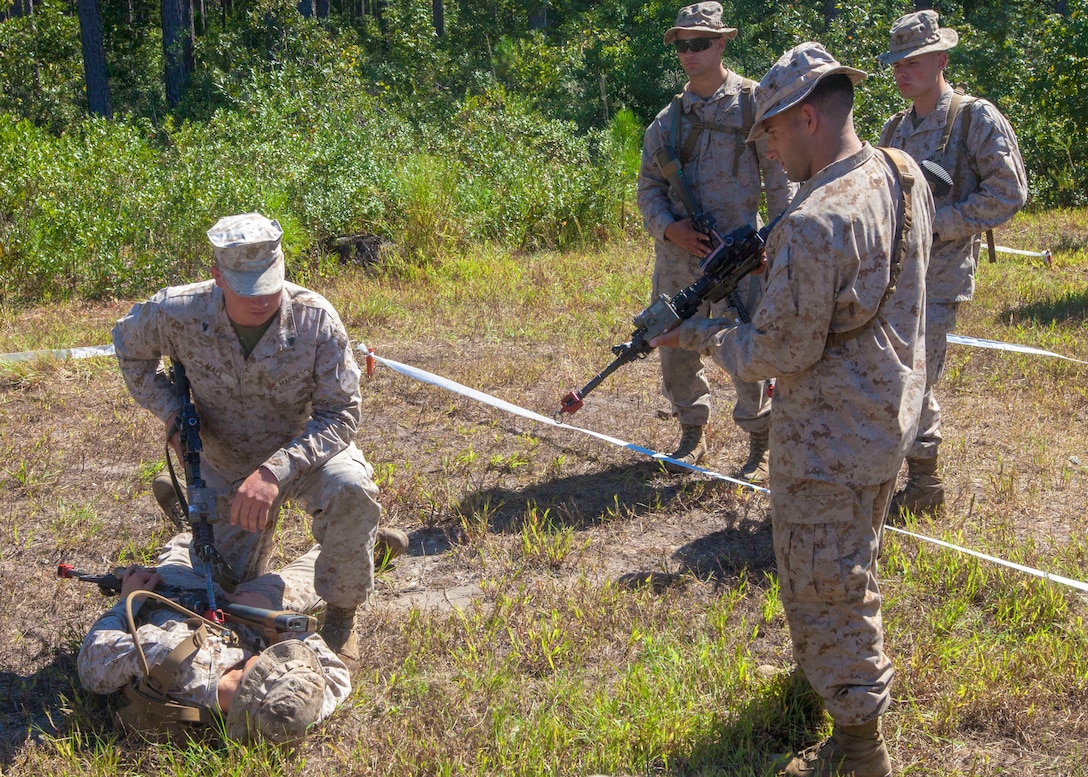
904 216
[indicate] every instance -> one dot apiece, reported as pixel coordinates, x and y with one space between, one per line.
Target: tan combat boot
924 491
754 470
850 751
389 544
692 448
338 631
163 489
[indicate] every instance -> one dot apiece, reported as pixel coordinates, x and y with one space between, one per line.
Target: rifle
277 621
739 253
199 500
702 220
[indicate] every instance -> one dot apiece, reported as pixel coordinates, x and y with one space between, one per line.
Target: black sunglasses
694 44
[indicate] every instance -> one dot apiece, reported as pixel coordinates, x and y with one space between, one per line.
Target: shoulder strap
148 704
890 128
747 105
905 217
950 118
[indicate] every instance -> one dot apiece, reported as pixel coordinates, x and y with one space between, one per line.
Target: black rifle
739 253
279 621
199 500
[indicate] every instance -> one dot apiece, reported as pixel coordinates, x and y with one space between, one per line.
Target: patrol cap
918 33
792 78
248 253
280 695
701 17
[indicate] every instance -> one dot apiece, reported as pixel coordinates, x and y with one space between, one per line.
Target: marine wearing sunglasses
693 44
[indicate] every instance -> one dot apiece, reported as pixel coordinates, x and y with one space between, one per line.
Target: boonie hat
701 17
918 33
248 253
792 78
279 697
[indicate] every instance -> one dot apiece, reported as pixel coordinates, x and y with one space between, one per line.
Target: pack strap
905 217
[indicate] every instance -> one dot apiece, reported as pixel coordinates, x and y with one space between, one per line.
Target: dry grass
568 608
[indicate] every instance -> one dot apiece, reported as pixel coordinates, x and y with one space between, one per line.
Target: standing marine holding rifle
841 328
700 139
276 388
979 183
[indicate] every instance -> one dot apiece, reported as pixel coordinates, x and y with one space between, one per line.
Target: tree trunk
306 8
538 16
438 12
322 9
830 14
94 59
177 48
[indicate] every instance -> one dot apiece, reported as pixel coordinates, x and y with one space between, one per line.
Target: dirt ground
78 456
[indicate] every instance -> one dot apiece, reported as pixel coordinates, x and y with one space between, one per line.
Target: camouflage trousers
826 541
342 499
683 376
940 322
289 588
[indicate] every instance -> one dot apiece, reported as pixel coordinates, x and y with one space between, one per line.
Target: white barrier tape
458 388
978 342
1045 254
82 352
479 396
1077 584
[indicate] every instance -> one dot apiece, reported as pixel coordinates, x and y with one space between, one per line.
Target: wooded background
429 123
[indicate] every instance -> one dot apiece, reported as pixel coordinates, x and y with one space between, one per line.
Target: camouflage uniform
989 185
293 407
724 174
108 659
844 413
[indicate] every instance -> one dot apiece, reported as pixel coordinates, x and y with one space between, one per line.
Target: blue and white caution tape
457 388
978 342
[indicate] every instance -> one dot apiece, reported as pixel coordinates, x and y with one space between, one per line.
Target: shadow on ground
1069 309
578 501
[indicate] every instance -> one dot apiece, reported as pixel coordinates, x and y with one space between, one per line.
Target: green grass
581 650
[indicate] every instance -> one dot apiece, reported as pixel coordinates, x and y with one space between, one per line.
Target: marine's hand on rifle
252 504
138 578
685 235
173 437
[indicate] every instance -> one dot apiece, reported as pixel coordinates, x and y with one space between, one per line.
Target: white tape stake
1044 254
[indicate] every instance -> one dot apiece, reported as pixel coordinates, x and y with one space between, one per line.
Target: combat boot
338 631
167 497
850 751
692 448
754 470
924 491
389 544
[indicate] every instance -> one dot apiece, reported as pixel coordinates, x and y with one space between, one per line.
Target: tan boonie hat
701 17
792 78
247 252
918 33
280 696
